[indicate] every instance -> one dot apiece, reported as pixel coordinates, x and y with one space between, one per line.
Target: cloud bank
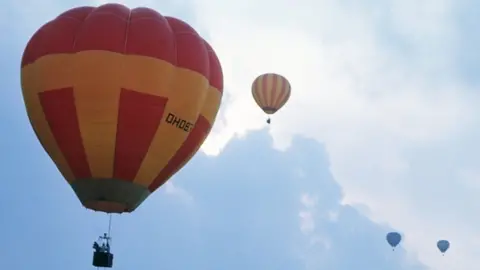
388 86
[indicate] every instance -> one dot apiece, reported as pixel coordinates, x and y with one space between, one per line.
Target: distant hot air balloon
443 246
271 91
393 239
120 99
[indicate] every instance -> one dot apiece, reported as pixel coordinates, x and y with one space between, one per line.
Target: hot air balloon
393 239
120 99
443 246
271 91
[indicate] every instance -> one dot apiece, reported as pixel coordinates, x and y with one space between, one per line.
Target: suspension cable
109 224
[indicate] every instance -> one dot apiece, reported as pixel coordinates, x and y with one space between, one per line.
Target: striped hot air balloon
271 91
120 99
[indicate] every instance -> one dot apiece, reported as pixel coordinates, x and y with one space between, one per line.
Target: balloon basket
102 259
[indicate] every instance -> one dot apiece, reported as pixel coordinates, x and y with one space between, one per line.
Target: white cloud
332 216
306 214
170 189
308 201
375 83
307 224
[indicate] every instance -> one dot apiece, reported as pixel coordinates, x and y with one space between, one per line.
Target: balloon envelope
394 238
271 91
120 99
443 245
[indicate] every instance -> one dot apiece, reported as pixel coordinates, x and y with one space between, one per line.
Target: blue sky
381 133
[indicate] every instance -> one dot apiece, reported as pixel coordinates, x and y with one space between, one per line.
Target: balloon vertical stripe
59 109
184 153
278 92
284 97
134 137
270 82
258 96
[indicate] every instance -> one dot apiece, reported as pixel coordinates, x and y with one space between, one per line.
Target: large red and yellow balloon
120 99
271 91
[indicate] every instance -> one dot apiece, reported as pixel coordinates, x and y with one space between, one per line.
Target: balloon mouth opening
110 195
107 207
269 110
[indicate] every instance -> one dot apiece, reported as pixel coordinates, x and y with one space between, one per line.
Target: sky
380 134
